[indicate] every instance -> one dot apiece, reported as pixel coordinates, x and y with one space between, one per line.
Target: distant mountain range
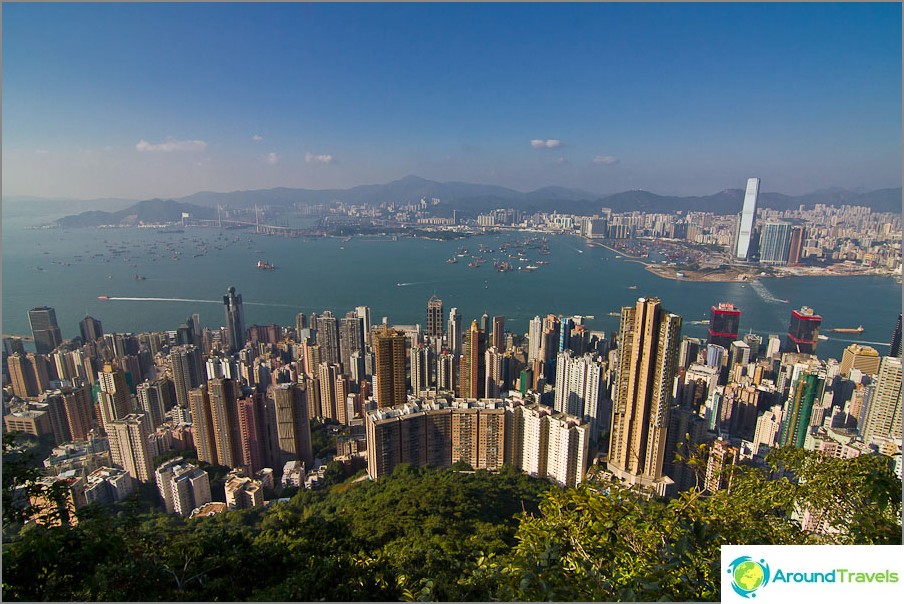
470 199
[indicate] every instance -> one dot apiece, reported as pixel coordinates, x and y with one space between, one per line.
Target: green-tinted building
807 387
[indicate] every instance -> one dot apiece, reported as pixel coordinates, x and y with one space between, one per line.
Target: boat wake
415 283
164 300
125 299
834 339
765 294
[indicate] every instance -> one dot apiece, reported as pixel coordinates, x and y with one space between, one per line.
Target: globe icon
748 575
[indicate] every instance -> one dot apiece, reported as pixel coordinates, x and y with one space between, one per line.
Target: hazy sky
132 100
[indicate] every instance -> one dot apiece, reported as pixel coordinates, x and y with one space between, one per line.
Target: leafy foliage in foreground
423 534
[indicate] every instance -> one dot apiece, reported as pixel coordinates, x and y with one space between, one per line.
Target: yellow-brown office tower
223 394
22 376
472 372
292 424
202 424
389 353
647 362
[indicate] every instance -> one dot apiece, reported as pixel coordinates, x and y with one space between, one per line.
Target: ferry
822 337
848 329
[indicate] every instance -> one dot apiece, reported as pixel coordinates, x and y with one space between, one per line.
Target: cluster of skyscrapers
548 402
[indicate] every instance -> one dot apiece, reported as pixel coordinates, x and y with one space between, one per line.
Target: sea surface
189 272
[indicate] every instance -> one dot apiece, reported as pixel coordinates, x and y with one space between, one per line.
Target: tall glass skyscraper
775 243
748 214
235 320
44 329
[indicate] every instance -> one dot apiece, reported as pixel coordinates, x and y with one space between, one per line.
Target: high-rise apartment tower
649 341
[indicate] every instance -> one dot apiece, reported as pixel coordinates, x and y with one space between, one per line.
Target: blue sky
146 100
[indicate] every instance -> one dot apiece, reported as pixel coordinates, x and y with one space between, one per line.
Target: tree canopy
427 534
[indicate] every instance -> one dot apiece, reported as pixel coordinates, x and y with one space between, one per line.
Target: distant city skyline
165 100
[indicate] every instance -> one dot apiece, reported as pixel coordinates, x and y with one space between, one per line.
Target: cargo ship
848 329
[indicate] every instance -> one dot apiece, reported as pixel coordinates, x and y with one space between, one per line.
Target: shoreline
735 276
617 251
722 276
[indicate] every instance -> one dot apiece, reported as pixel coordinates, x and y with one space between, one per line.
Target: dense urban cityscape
561 402
824 239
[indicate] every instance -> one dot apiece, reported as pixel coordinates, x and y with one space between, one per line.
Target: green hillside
424 534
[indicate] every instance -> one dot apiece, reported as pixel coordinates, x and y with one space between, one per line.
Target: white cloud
605 160
171 144
320 159
550 143
272 159
257 138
